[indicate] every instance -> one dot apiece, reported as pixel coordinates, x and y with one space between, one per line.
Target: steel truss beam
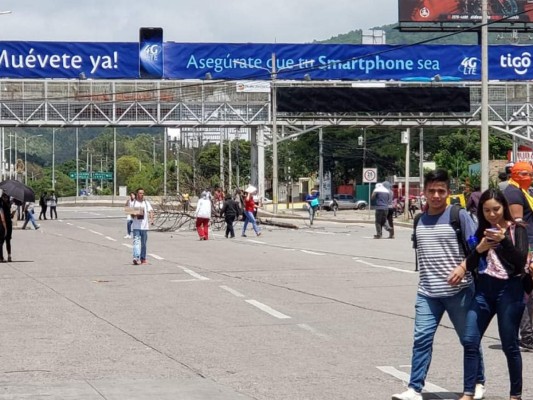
75 103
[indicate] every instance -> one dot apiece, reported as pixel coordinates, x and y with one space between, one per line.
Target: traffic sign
103 175
81 175
370 175
94 175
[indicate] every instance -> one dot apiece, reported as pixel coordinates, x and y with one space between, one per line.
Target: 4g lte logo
520 64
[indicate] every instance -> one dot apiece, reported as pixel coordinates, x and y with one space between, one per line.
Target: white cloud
255 21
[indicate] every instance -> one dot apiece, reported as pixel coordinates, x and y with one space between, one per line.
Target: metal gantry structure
194 105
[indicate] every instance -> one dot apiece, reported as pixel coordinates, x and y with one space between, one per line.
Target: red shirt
249 204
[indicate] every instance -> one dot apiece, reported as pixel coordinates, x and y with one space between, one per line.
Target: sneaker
525 346
243 235
409 394
259 234
479 393
136 261
377 236
144 262
37 227
9 259
127 237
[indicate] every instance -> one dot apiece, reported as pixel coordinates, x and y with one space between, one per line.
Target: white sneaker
127 237
409 394
479 393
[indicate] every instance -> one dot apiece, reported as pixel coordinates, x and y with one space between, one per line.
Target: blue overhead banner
42 60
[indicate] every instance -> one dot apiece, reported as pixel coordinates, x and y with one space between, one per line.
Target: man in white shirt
141 225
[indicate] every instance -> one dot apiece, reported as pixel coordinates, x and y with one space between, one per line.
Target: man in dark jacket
230 211
42 204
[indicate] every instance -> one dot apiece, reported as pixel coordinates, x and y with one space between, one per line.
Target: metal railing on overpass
197 103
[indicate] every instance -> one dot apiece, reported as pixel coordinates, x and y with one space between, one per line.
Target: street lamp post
26 157
53 159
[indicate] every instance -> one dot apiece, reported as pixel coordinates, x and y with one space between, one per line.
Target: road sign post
370 175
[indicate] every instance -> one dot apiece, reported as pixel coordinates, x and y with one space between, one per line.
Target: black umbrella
18 190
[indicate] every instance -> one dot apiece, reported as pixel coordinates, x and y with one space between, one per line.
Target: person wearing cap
521 206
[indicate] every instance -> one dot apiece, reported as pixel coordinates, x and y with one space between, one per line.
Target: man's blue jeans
140 237
428 314
504 298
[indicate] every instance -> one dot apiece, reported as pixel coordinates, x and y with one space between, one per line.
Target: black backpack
455 223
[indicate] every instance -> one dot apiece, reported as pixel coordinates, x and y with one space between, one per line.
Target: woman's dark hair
489 194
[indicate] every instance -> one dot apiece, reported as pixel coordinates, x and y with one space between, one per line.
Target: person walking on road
381 197
28 209
443 285
249 207
203 215
9 213
129 219
141 226
499 260
42 204
521 206
313 202
52 202
390 211
230 211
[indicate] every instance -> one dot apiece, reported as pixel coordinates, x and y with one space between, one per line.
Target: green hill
394 36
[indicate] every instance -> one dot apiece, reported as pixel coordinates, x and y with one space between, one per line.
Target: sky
213 21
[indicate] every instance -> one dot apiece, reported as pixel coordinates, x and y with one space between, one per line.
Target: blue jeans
140 237
249 219
130 222
428 314
505 299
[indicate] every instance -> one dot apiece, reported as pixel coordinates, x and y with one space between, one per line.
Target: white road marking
110 238
82 227
384 267
194 274
319 233
267 309
313 331
129 246
312 252
96 233
256 241
69 223
428 387
232 291
156 256
184 280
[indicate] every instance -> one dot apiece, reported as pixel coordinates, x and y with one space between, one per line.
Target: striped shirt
439 252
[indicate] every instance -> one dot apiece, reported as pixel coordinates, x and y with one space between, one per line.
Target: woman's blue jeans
249 219
505 299
428 314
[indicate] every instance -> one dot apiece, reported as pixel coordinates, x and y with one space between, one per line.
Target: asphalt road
322 312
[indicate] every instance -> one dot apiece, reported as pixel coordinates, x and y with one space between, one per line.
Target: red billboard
464 10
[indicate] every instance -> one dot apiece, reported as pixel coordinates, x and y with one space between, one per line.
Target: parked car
344 202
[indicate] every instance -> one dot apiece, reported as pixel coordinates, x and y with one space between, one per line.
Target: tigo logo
520 64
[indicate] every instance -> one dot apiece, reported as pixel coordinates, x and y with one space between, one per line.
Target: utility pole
421 166
321 162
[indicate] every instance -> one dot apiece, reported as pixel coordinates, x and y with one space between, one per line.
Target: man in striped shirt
443 285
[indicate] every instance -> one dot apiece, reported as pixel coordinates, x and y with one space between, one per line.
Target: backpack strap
413 235
455 222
